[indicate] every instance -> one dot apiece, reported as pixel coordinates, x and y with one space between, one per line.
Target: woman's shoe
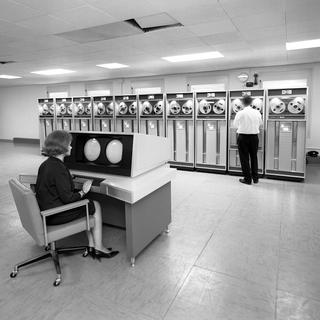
100 254
91 251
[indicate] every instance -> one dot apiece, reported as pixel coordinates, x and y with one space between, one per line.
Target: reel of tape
277 106
158 108
204 106
174 107
187 107
133 108
236 105
69 109
80 108
257 104
296 105
146 107
87 109
101 109
110 108
219 107
62 109
123 108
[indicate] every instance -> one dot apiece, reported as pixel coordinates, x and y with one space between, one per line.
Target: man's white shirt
248 121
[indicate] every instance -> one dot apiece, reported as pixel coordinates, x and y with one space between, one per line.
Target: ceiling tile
216 27
46 25
220 38
84 17
50 6
262 20
13 12
124 9
198 14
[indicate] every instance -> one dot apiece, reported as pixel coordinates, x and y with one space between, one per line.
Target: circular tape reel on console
219 107
174 107
123 108
277 105
187 107
87 109
257 104
69 109
101 108
110 108
51 109
62 108
133 108
158 108
296 105
43 109
236 105
80 108
204 106
146 107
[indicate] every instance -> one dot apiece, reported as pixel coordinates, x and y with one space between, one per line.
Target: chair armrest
28 178
50 212
69 206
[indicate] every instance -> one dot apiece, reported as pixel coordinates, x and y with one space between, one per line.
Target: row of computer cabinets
199 125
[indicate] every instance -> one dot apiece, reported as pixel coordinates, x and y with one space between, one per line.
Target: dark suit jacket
54 188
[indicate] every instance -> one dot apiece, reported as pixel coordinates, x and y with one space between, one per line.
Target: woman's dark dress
54 188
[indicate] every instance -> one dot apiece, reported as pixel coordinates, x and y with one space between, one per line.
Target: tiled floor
234 252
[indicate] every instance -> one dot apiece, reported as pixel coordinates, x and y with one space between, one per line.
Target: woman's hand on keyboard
87 186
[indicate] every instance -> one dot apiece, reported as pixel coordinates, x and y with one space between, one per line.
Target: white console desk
141 205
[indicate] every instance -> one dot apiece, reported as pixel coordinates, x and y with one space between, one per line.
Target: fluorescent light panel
52 72
112 65
6 76
315 43
195 56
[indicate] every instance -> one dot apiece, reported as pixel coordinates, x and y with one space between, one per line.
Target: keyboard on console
81 179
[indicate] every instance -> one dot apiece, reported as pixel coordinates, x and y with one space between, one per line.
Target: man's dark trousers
248 149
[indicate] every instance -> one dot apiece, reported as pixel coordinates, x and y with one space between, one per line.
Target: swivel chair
34 222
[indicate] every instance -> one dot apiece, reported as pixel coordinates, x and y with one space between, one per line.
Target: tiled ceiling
47 34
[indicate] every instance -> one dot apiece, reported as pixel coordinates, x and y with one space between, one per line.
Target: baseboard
26 140
5 140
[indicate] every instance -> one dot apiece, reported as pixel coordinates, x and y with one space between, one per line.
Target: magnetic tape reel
296 105
219 107
109 109
87 109
236 105
174 107
69 109
62 108
123 108
257 104
43 109
51 109
133 108
101 109
277 105
187 107
146 107
204 106
158 108
80 108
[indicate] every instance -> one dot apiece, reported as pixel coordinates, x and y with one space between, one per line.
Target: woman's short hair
246 100
56 143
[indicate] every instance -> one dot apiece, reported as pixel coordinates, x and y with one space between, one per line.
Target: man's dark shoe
244 181
255 180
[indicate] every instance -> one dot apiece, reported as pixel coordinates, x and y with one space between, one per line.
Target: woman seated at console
54 187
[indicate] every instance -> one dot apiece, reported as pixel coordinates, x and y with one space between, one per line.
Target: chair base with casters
34 222
54 254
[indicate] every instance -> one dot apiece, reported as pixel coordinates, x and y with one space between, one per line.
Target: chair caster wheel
85 253
57 282
13 274
47 248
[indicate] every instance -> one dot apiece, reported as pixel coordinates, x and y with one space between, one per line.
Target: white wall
19 113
